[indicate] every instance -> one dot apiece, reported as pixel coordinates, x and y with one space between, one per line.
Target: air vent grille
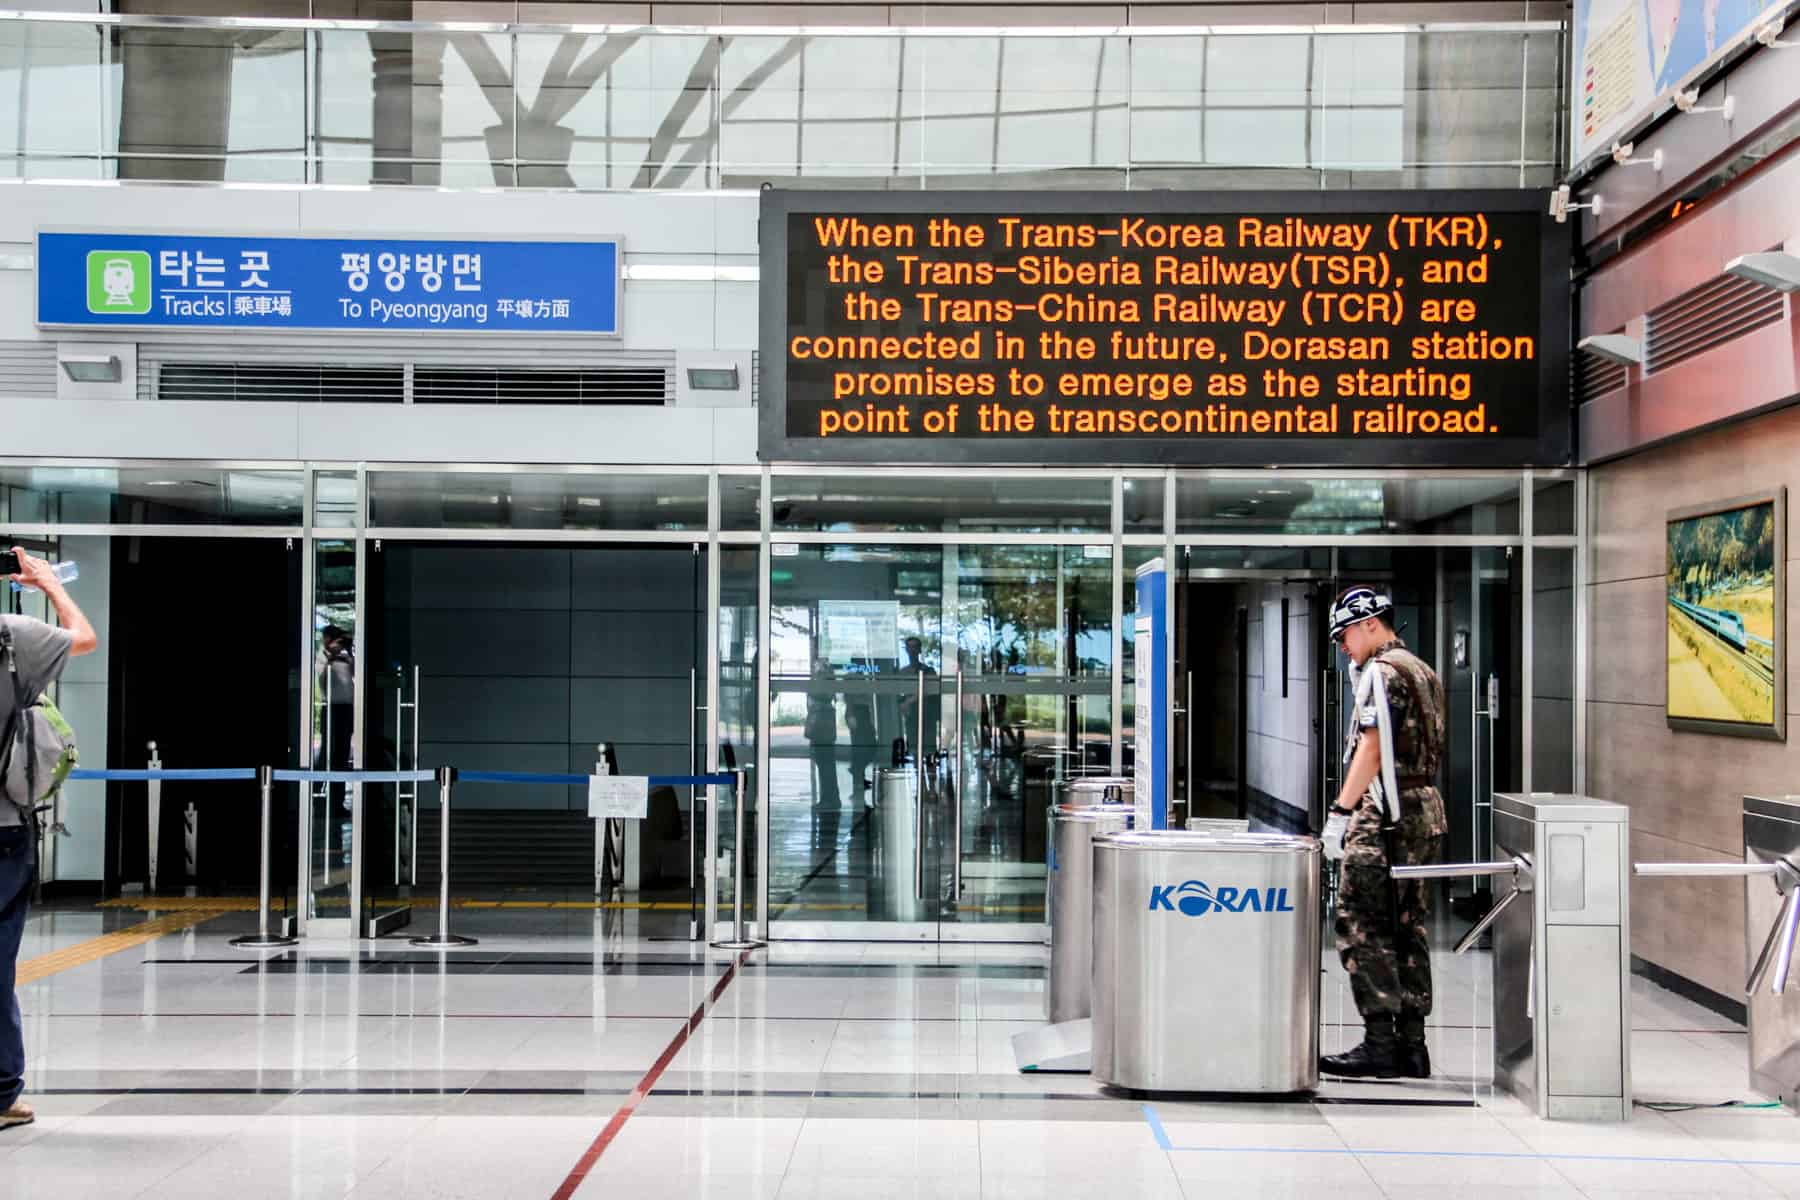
27 369
372 384
1706 317
515 385
1596 376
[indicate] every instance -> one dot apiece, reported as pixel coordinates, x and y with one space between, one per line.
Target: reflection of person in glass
821 735
337 687
859 719
909 704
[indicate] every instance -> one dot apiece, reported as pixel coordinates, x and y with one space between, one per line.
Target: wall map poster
1411 328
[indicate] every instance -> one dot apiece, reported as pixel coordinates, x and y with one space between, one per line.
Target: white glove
1332 840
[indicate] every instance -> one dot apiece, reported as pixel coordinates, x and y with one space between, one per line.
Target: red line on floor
580 1172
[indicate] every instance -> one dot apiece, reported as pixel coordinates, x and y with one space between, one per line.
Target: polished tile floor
184 1067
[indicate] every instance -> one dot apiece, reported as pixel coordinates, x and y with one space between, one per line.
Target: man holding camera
39 653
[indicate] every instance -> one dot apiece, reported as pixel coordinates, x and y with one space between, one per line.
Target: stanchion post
446 777
740 938
262 939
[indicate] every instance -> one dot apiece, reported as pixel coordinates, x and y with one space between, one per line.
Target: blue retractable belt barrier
166 773
581 780
295 776
355 776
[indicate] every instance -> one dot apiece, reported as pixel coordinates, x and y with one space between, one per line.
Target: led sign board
1373 328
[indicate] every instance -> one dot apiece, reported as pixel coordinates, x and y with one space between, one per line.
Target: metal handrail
351 25
1704 870
1519 867
1455 870
1776 960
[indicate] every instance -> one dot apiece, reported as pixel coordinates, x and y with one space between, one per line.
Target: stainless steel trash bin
1086 808
1206 962
894 891
1094 789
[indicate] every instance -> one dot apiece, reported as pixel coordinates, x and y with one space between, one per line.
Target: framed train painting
1727 617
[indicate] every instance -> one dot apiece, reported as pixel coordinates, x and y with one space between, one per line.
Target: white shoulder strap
1371 692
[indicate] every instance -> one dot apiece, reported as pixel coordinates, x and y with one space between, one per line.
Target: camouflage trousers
1389 968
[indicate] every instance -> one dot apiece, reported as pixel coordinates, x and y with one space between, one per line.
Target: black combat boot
1378 1057
1414 1058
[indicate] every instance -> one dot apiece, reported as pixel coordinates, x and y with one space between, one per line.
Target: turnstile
1562 952
1771 856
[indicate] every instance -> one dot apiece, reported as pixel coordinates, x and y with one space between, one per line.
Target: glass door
924 702
1028 702
1256 690
329 811
856 699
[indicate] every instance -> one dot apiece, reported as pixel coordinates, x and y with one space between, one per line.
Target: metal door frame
308 532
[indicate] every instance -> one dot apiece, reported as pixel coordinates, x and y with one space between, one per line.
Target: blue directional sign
365 284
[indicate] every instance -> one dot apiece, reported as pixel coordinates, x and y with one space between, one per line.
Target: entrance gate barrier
266 777
1562 952
1772 854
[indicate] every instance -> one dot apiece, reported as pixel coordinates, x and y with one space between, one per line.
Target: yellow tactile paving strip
32 969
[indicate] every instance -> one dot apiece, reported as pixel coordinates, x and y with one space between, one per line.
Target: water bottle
68 572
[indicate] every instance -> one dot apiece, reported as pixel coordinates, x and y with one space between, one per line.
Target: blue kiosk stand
1150 686
1069 1045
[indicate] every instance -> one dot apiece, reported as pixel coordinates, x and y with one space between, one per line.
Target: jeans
16 865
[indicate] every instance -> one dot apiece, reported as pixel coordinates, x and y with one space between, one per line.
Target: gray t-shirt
41 653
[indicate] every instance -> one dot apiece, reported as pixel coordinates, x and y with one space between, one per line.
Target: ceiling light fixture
92 368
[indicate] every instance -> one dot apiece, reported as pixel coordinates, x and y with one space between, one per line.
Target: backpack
38 750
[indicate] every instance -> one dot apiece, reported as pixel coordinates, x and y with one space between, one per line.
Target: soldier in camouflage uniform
1381 924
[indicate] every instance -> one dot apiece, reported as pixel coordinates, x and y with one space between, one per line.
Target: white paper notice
618 797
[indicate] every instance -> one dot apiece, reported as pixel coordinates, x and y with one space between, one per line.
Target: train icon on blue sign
1195 899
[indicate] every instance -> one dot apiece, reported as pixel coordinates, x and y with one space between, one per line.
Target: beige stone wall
1684 789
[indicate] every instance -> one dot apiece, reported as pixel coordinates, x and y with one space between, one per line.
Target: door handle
955 784
1778 947
919 795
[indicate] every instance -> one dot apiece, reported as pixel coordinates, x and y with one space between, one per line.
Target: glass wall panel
969 503
648 119
740 502
350 75
1553 507
982 673
1029 694
856 653
1143 505
648 109
739 747
457 500
1292 505
1063 105
477 137
1135 557
820 108
330 834
173 495
1553 671
51 119
337 500
209 104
